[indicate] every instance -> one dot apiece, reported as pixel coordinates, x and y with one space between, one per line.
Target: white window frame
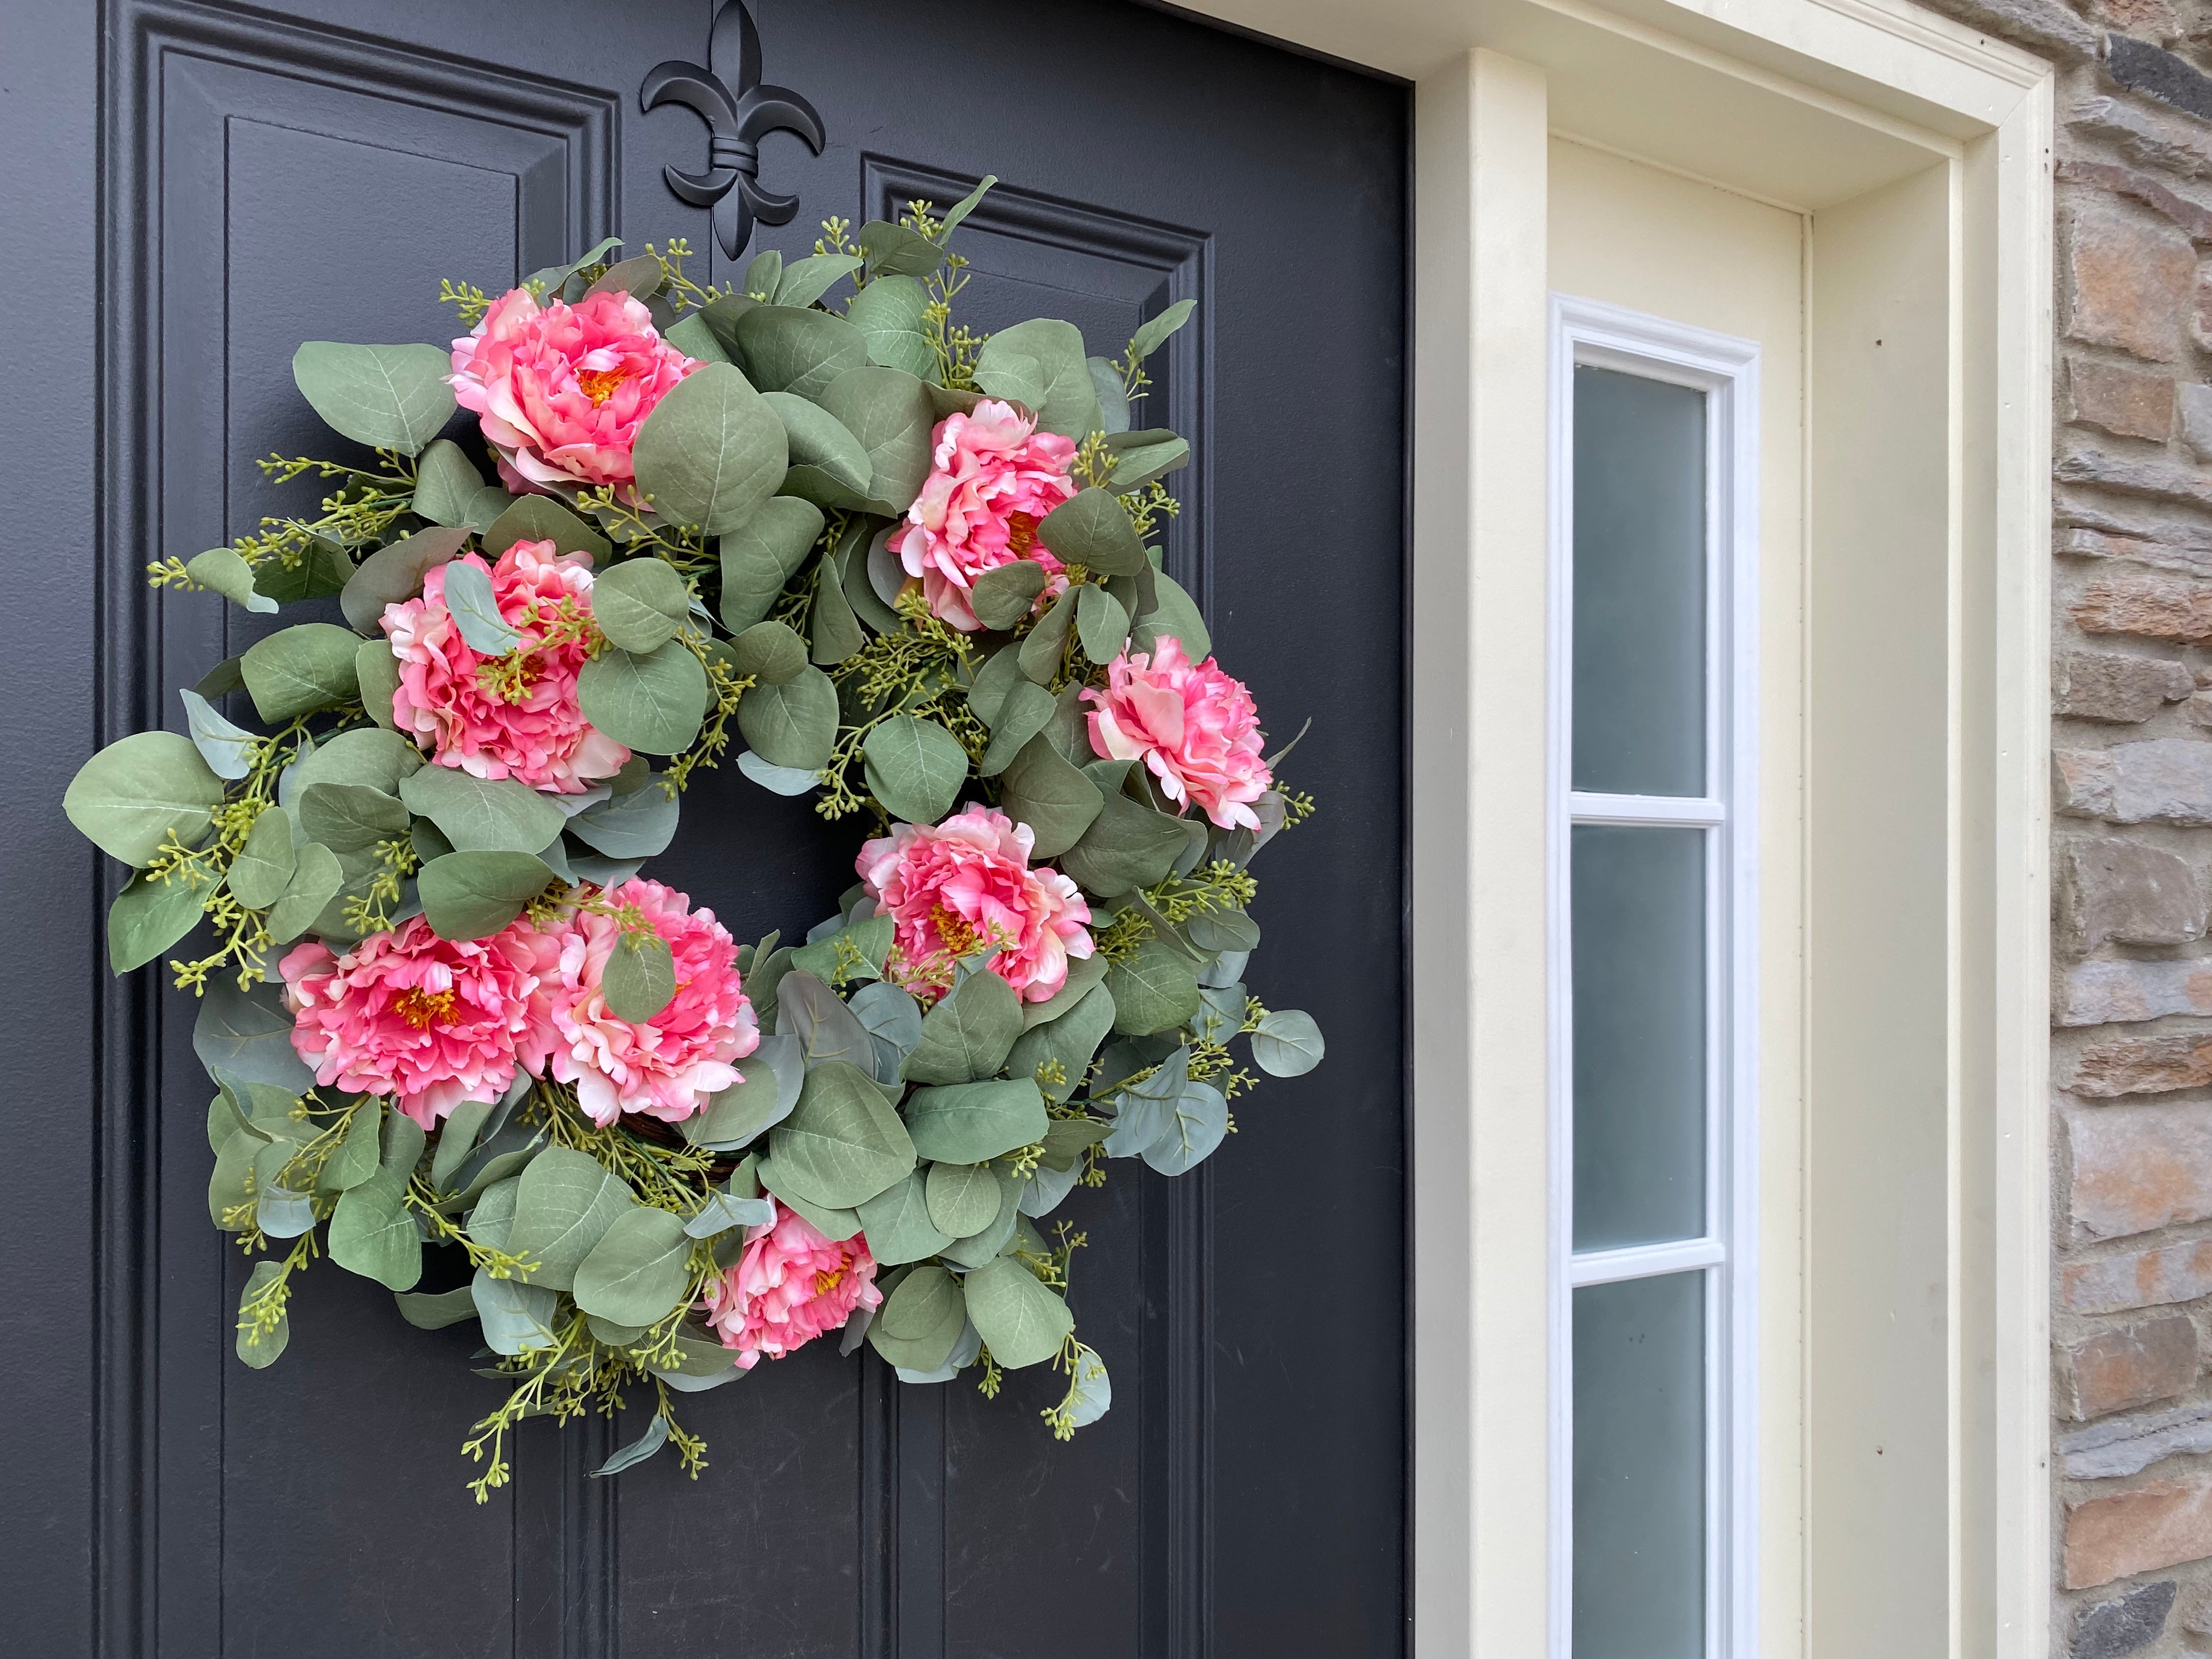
1589 334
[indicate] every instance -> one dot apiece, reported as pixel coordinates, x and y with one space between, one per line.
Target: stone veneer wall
2131 711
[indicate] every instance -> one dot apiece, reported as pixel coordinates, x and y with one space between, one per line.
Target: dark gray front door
193 189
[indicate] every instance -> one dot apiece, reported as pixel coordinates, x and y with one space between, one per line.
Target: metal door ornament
737 121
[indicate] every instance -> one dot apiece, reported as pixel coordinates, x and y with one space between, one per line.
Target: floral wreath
442 1008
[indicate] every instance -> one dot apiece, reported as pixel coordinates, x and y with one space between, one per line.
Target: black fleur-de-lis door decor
739 111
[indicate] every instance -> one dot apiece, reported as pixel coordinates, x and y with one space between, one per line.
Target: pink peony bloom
1193 727
561 390
993 478
790 1285
967 882
516 717
670 1066
429 1022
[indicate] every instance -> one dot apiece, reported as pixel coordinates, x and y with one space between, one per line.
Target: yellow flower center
423 1009
1021 533
599 384
828 1279
953 928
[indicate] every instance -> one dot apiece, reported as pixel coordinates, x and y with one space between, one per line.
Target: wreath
443 1010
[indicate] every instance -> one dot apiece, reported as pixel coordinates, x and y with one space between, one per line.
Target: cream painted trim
1480 1301
1915 90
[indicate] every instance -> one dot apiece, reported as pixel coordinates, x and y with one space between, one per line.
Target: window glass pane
1638 897
1639 1430
1639 586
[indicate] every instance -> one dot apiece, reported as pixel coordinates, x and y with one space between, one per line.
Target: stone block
2166 779
2141 1279
2127 402
2147 138
2104 685
2161 1524
2127 1623
2138 1066
2115 891
2117 1371
2115 993
2134 475
2197 420
2128 278
2134 1169
2166 551
2129 1445
2147 603
2191 215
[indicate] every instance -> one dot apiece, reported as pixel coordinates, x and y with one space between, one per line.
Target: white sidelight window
1653 895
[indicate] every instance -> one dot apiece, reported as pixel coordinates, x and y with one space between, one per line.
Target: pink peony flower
561 390
429 1022
671 1065
993 478
516 716
966 882
1193 727
790 1285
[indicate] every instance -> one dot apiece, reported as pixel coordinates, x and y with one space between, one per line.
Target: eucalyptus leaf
130 798
1287 1044
889 313
994 683
692 335
474 894
388 397
963 1198
974 1122
475 608
317 878
1155 990
831 1222
373 1234
260 1349
482 815
638 825
640 977
1102 623
359 1154
834 631
393 575
793 725
639 276
516 1317
628 1457
654 703
542 518
798 350
1001 596
723 1210
447 484
152 914
457 1139
225 571
1040 647
638 1271
372 759
564 1205
640 604
1175 614
1043 359
1198 1119
1070 1041
1020 1319
891 414
826 462
297 671
844 1144
895 251
916 768
712 451
897 1223
1141 457
247 1035
1128 846
228 749
1092 528
1112 396
1082 973
804 283
966 1036
780 780
433 1310
760 556
763 274
1154 333
1057 802
921 1321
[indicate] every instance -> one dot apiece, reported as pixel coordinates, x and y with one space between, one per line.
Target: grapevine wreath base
455 1033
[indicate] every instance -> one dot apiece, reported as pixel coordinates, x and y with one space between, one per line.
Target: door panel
271 180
